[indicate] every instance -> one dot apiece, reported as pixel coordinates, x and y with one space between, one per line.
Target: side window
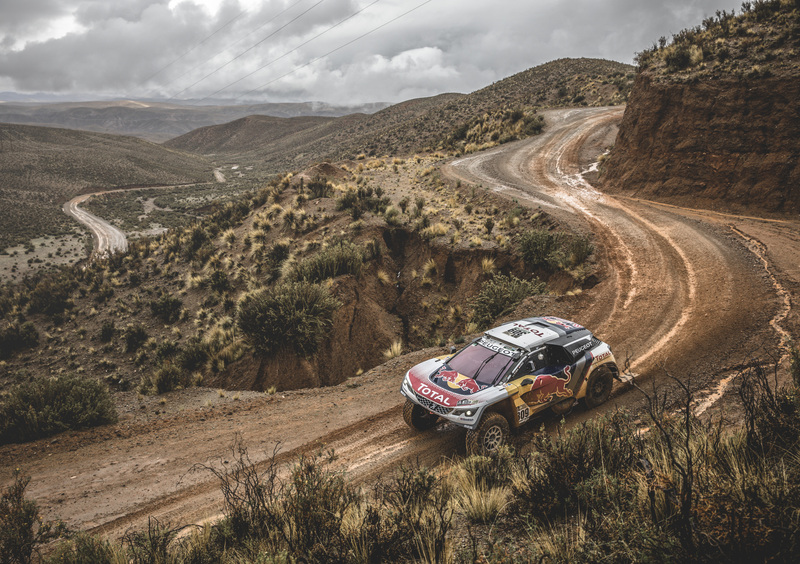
557 356
525 368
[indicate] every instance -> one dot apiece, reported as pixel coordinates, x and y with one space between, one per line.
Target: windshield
480 364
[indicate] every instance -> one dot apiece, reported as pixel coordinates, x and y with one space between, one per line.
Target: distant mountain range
153 120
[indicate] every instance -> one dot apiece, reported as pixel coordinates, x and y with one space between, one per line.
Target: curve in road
678 290
107 238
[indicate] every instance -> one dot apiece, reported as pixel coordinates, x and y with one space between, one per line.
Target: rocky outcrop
722 143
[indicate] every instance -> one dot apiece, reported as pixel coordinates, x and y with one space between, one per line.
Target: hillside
41 168
440 122
712 119
159 121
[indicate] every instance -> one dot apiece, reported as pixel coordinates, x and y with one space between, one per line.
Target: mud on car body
509 374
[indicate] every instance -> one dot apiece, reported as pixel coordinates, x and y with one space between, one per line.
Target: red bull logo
455 380
546 386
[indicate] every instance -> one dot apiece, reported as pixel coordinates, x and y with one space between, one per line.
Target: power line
248 49
269 21
195 46
287 53
311 62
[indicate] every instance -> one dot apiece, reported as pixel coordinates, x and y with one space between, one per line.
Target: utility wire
269 21
287 53
311 62
195 46
216 70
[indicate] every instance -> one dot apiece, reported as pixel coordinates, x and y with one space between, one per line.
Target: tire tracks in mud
674 288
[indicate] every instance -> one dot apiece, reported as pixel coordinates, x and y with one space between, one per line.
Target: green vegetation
759 42
45 407
15 337
335 260
168 308
670 487
165 378
500 294
22 530
554 249
292 316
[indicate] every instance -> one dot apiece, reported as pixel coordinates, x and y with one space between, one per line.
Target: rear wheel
598 388
491 433
417 417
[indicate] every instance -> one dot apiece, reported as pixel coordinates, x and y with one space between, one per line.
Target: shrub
536 247
135 336
319 188
678 57
336 260
87 549
218 281
554 249
21 528
48 406
293 316
107 331
14 337
501 293
197 239
193 355
51 295
165 378
166 308
553 479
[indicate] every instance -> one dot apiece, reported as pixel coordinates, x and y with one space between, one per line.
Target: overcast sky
293 50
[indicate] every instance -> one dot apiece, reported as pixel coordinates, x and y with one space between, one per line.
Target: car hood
434 381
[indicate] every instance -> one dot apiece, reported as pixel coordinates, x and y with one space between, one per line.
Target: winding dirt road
680 290
107 238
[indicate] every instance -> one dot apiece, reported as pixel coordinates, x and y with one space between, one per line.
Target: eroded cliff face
724 143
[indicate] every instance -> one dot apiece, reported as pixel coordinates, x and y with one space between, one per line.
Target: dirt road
107 238
679 289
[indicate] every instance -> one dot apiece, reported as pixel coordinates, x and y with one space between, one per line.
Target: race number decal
523 413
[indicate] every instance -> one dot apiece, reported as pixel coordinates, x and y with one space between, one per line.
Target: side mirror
527 382
453 349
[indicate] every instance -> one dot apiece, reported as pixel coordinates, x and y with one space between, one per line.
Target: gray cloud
137 48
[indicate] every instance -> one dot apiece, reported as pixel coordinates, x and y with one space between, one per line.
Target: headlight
467 402
469 412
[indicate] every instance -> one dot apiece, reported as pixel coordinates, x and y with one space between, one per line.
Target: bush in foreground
21 528
45 407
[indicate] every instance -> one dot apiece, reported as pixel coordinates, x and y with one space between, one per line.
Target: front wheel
417 417
491 433
598 388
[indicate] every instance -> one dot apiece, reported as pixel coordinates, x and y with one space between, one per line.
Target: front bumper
467 416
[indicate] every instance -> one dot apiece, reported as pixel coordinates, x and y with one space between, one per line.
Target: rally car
509 374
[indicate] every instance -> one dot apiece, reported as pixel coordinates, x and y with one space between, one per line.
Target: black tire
492 433
417 417
563 407
598 388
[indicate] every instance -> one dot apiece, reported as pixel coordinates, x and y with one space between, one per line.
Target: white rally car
508 375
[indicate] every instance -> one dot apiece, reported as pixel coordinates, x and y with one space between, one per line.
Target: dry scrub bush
292 316
553 249
48 406
22 530
336 260
500 294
